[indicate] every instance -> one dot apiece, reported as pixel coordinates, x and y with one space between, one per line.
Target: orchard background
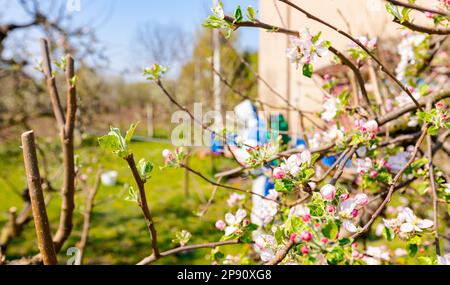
105 157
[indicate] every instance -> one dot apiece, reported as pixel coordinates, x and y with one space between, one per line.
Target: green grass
118 232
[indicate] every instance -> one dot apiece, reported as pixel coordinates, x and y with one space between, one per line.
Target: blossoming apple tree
396 187
388 180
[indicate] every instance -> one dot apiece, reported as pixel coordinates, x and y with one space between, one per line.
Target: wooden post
41 223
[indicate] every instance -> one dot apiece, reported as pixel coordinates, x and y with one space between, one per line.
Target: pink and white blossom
328 192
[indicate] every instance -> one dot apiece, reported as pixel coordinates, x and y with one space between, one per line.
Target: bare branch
41 223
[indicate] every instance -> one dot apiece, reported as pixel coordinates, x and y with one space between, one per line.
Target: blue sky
116 21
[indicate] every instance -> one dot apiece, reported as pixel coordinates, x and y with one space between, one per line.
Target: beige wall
366 17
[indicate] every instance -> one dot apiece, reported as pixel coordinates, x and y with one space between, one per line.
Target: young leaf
251 14
130 134
238 15
308 70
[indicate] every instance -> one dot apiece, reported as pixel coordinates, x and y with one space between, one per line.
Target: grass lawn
118 232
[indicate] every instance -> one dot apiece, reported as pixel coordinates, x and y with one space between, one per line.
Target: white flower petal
350 227
425 224
407 228
230 230
240 215
230 219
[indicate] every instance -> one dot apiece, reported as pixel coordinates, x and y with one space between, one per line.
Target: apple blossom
363 165
407 223
234 221
168 155
279 173
306 236
266 246
362 199
235 199
331 209
344 197
306 218
328 192
220 225
371 126
304 250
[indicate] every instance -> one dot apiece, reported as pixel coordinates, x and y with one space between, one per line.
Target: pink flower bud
305 250
246 222
344 197
307 218
306 236
167 154
429 15
278 173
440 105
374 174
355 213
220 225
331 209
383 163
362 199
328 192
372 126
293 237
324 240
326 77
355 245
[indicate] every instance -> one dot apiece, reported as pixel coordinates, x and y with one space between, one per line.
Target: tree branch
41 223
143 204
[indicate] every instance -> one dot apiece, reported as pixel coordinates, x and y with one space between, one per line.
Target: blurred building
358 17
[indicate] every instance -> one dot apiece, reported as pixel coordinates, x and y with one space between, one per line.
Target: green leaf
316 209
284 186
130 134
344 241
308 70
336 256
433 131
238 15
316 37
251 14
412 249
330 230
393 10
132 195
388 234
145 169
109 143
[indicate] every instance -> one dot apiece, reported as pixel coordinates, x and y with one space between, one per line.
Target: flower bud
344 197
306 236
362 199
328 192
307 218
331 209
278 173
220 225
374 174
305 249
355 213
